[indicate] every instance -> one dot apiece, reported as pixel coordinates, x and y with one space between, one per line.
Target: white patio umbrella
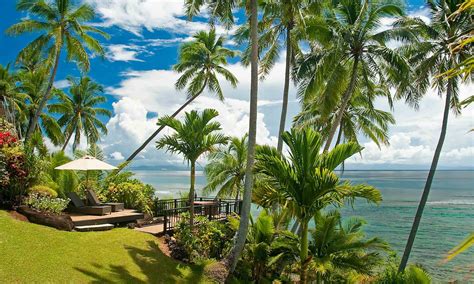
86 163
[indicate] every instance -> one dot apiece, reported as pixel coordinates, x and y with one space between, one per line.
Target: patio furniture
94 200
80 207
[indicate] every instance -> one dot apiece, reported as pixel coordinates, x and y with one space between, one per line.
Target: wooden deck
126 216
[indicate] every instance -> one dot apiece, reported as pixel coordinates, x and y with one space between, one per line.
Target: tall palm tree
281 19
12 100
79 111
193 137
430 57
222 10
355 54
307 179
225 170
339 248
200 61
60 24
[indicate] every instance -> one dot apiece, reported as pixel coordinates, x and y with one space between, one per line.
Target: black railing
212 209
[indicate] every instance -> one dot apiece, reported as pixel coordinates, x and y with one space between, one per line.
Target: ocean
448 217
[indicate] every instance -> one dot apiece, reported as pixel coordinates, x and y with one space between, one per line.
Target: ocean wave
451 202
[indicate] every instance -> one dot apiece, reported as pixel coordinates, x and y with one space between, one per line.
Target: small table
210 207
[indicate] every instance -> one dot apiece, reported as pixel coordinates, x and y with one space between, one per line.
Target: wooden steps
89 228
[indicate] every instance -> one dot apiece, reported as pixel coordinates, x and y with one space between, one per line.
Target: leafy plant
133 194
46 204
209 239
43 190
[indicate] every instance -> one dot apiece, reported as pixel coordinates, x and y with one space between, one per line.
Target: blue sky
145 36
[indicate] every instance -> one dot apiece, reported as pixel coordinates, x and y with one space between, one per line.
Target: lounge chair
80 207
92 197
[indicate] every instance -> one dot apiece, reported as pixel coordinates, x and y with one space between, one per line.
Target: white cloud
136 15
61 84
117 156
123 52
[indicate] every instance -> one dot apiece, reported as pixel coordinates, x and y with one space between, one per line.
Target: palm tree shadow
154 265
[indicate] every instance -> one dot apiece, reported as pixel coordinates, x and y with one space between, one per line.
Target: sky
139 86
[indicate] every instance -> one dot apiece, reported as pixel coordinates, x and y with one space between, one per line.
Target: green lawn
32 253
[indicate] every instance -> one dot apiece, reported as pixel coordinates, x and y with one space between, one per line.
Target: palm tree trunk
304 252
67 141
339 135
284 106
241 234
345 101
190 100
45 98
191 194
429 180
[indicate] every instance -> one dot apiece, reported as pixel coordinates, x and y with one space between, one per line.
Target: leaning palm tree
306 178
350 50
340 249
60 24
225 170
80 113
200 62
222 10
192 138
430 57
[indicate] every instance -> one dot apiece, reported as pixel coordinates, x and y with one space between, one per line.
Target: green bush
133 194
206 240
46 204
43 191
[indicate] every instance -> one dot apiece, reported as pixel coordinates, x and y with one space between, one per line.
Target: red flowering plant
7 139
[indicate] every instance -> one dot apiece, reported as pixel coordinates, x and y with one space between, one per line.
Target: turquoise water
448 217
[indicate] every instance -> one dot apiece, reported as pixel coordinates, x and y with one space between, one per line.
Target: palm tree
360 117
79 111
350 50
192 138
280 19
32 83
339 249
12 100
60 24
306 178
430 57
225 170
222 10
200 61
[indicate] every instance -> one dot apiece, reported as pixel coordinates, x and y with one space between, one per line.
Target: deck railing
219 209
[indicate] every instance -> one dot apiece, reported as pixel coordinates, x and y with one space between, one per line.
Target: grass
31 253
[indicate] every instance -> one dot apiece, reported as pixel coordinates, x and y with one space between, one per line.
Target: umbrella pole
87 179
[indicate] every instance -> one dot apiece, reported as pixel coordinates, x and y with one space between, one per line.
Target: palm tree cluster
29 91
338 56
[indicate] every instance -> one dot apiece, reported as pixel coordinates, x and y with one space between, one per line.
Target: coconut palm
79 111
307 179
13 101
430 57
199 62
280 20
60 24
195 136
32 83
360 117
225 170
339 249
350 51
222 10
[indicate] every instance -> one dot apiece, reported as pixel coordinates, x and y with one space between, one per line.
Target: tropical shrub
207 240
46 204
18 167
43 190
134 194
413 274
